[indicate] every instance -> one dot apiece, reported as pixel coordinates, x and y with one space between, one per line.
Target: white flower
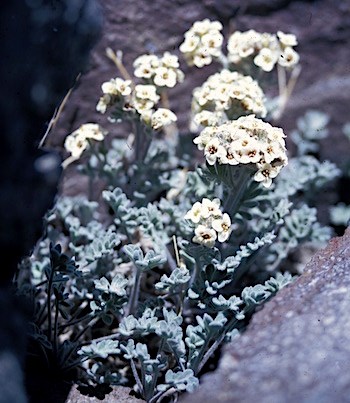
150 60
202 58
117 86
206 135
202 42
77 141
229 158
266 59
272 151
287 39
190 43
212 41
207 118
143 106
163 71
247 140
169 60
195 213
250 153
146 115
243 44
288 58
205 236
164 77
230 94
213 151
146 92
75 145
91 131
162 117
265 174
144 66
210 207
103 103
223 227
204 26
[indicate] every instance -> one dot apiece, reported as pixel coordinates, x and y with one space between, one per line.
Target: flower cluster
144 98
161 71
247 140
162 117
202 43
141 98
226 96
113 90
266 49
211 223
78 141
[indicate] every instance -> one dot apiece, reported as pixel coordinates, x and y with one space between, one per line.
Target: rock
118 394
228 9
296 349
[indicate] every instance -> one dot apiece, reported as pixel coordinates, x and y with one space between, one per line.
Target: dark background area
44 46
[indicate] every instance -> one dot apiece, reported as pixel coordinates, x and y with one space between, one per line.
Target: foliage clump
141 283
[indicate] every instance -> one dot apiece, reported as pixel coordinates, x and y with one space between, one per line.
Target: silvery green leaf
101 349
231 263
181 380
142 326
117 286
128 349
191 294
302 174
178 277
128 325
256 295
340 214
232 335
232 303
195 336
134 252
95 307
102 284
102 245
151 260
274 284
141 352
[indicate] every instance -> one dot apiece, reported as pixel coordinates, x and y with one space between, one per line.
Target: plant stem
92 321
171 260
49 292
238 182
156 397
74 322
55 331
138 141
75 363
136 376
232 323
135 292
41 283
109 337
197 360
